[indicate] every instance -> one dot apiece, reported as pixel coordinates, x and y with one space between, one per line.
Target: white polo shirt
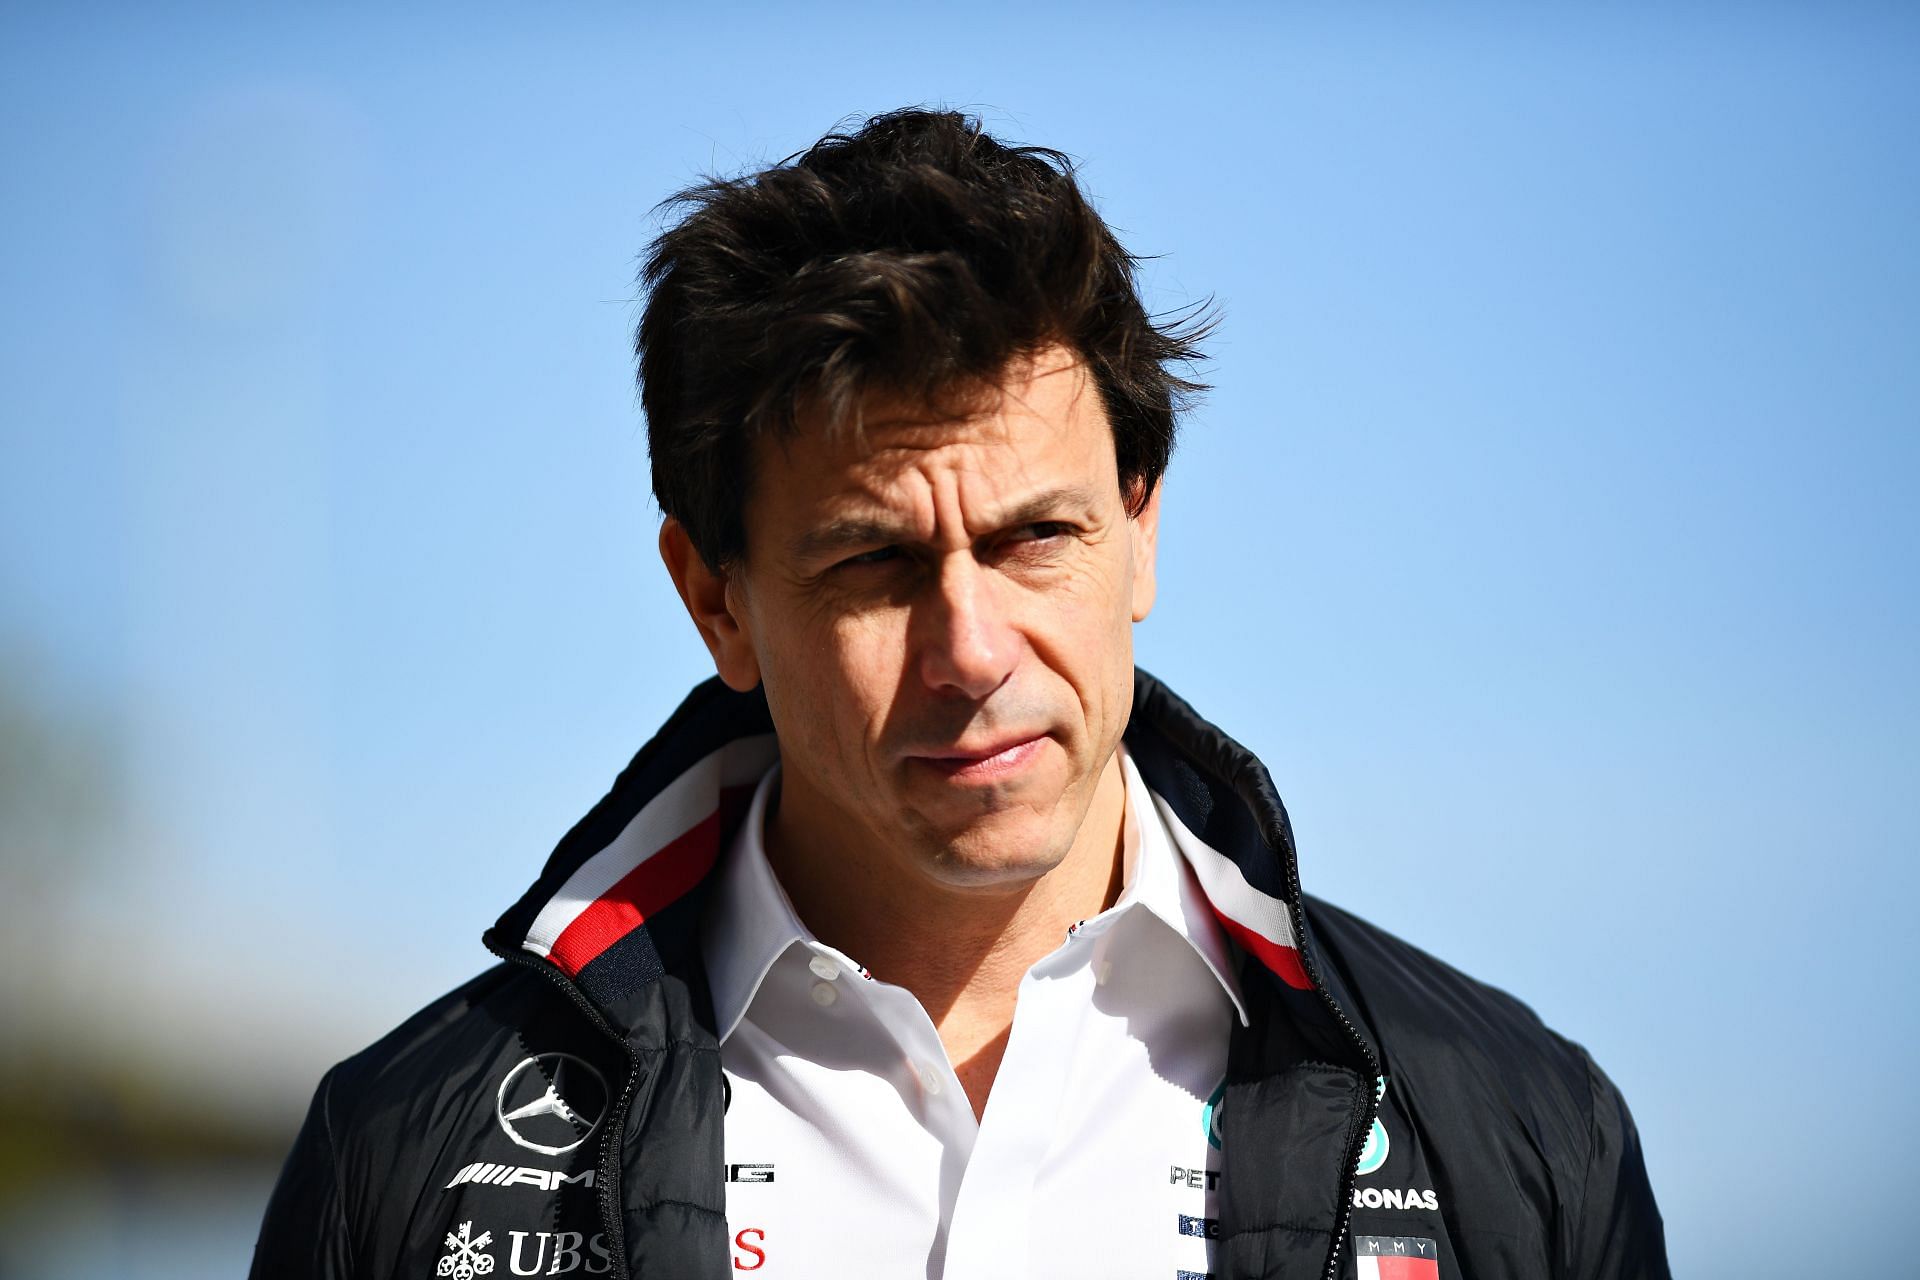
851 1148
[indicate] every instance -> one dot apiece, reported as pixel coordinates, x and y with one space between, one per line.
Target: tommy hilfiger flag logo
1396 1258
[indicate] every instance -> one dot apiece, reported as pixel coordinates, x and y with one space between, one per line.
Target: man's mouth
987 762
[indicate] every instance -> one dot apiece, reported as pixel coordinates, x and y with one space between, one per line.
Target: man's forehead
986 465
1036 445
1040 412
1047 384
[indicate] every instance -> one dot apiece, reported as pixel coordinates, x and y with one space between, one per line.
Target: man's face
941 614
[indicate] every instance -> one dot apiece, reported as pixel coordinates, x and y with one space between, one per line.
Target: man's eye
1040 531
879 555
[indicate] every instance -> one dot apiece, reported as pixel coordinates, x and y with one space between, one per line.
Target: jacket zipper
1351 1161
612 1213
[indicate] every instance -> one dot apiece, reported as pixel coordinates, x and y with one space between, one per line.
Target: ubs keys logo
550 1102
466 1255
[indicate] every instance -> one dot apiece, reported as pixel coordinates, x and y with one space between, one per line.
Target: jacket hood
617 904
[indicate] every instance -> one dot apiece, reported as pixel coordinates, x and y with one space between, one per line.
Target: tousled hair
916 258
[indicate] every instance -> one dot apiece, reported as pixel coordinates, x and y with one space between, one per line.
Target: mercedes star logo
550 1102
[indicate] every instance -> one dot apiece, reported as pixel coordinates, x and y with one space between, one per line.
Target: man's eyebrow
868 531
1051 504
839 535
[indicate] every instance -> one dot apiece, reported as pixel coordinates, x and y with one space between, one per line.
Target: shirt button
930 1081
823 967
824 994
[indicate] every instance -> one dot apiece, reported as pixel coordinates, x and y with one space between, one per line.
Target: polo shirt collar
1161 881
751 922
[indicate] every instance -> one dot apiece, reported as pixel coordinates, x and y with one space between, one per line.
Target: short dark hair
915 258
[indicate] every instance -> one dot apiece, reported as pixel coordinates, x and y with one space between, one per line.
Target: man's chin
996 853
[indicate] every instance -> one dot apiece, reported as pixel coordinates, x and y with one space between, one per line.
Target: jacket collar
617 906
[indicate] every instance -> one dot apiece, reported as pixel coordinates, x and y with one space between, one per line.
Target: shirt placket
991 1225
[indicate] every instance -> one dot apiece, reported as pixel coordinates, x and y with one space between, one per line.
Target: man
932 938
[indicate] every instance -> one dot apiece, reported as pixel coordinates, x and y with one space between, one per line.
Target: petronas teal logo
1374 1154
1210 1114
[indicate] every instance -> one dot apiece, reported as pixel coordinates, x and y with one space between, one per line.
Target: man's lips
989 762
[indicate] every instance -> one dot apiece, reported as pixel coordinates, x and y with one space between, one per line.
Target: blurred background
1551 531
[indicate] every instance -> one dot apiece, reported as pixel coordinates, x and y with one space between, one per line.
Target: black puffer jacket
562 1112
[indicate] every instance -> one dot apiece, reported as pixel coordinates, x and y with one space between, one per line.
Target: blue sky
1549 532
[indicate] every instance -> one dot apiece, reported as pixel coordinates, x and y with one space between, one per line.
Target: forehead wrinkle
916 473
873 509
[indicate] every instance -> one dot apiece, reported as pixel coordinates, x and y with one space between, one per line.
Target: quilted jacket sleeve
304 1235
1615 1231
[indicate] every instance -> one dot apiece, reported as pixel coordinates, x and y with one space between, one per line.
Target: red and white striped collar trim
671 844
659 856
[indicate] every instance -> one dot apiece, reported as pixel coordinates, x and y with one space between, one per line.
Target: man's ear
1145 531
715 609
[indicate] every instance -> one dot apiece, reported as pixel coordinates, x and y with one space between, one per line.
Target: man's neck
961 951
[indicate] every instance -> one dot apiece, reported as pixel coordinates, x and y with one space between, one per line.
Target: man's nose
968 645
